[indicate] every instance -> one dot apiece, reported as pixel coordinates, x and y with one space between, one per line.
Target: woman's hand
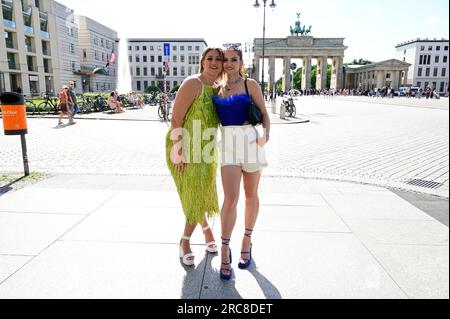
262 141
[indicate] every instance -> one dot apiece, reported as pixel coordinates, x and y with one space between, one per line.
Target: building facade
391 73
146 57
28 51
97 42
429 60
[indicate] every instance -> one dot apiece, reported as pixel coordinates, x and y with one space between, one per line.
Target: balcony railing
28 29
13 65
45 34
9 24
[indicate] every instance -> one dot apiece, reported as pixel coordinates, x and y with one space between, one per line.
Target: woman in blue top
242 154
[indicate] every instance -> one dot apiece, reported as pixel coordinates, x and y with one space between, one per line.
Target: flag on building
111 59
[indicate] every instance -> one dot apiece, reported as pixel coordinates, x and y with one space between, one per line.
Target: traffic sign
293 66
166 49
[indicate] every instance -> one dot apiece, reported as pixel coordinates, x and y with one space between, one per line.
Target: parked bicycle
50 105
289 106
165 110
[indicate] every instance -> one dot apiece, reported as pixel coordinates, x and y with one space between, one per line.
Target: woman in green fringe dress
191 150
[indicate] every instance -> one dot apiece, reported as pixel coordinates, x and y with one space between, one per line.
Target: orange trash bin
14 114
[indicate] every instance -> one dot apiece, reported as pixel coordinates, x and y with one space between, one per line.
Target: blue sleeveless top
232 110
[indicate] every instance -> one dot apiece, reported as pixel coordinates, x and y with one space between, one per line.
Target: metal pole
263 53
25 155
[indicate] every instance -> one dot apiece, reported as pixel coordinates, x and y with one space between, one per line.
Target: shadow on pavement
7 188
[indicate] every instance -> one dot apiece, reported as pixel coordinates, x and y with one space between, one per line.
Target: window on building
175 83
72 48
429 60
422 48
145 84
102 42
442 87
136 48
96 41
138 71
103 57
430 48
175 58
419 84
73 65
159 58
445 59
190 48
71 31
152 71
145 71
421 60
152 58
175 71
197 48
138 86
404 52
419 72
434 85
130 58
174 48
427 72
183 71
144 48
446 48
130 48
435 72
152 48
438 48
159 48
182 59
144 58
444 72
96 56
138 59
436 59
182 48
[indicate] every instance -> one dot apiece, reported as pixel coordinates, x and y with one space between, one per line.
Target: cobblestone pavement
387 143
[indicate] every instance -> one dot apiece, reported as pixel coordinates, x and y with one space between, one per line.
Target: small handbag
254 113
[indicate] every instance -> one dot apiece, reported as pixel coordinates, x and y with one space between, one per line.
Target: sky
371 28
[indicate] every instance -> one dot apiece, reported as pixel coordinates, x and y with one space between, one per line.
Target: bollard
15 121
282 111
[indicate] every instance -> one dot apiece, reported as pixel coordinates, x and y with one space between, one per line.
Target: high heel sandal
188 259
223 275
211 247
244 263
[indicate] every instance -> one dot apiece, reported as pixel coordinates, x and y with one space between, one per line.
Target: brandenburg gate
301 45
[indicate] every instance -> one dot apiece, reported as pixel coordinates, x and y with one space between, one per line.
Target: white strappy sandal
211 247
188 259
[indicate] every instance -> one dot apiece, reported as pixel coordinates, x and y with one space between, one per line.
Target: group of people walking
68 103
219 95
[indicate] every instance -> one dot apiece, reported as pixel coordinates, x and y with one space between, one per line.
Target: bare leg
185 244
231 180
251 184
209 236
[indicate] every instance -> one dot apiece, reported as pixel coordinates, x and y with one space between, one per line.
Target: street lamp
248 49
272 6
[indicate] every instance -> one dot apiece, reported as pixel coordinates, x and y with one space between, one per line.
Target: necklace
230 83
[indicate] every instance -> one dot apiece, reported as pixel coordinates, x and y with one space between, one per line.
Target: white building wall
185 55
423 74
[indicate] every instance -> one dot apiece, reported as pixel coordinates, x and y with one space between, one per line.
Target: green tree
175 88
298 78
329 67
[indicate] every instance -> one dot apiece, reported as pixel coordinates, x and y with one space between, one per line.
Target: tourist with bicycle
195 176
242 153
66 103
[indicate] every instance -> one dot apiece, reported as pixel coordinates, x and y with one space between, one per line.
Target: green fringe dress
196 185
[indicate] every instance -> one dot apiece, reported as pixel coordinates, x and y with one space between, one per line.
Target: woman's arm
189 91
257 97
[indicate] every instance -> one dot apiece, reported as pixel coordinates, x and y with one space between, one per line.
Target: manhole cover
423 183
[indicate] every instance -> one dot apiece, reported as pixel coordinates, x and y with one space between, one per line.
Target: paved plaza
338 218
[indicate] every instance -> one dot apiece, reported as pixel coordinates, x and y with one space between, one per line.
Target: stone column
306 76
321 81
256 62
405 80
287 74
380 79
271 83
337 73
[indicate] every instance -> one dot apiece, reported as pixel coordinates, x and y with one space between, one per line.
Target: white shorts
239 148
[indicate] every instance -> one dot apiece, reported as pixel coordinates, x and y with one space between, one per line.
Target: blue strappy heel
228 272
244 263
